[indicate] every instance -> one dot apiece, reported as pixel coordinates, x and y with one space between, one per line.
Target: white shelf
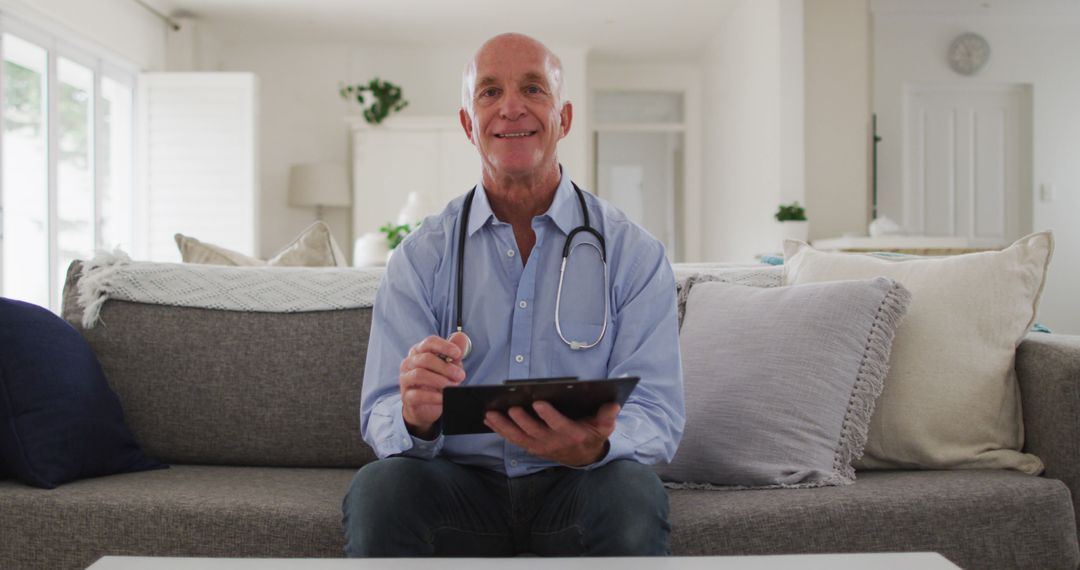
907 242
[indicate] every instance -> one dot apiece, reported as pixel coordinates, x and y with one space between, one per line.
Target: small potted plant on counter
792 218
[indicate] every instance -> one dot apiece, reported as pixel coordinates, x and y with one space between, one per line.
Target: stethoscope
568 248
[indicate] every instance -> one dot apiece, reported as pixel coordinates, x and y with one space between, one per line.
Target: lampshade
318 184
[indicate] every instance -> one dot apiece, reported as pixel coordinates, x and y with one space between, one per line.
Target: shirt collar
480 213
563 210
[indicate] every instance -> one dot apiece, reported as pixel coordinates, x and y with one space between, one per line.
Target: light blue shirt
509 313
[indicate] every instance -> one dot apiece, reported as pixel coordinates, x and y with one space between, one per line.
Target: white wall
303 118
753 108
837 36
192 47
121 27
1030 45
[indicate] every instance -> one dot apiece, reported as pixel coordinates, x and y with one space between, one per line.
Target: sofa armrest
1048 369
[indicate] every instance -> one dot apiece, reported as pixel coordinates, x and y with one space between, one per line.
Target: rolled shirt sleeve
650 426
402 316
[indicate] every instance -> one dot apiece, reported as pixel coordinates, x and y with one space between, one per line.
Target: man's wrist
604 449
430 433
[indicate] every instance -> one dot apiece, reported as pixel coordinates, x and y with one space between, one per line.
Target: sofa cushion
59 421
188 510
782 381
951 399
982 519
978 519
193 250
315 246
235 388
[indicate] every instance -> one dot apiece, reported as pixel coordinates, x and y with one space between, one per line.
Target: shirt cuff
409 445
619 447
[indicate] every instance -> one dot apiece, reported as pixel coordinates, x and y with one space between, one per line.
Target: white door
967 161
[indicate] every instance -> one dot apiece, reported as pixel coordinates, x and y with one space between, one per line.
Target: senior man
541 483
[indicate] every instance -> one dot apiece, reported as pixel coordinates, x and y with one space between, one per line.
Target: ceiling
611 29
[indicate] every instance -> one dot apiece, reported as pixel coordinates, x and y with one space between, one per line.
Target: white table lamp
320 184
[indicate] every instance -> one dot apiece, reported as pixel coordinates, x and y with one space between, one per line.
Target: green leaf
790 212
386 99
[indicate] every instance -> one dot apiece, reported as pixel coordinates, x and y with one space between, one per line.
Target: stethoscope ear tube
568 247
577 344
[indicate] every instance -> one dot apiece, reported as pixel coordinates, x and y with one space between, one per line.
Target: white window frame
58 42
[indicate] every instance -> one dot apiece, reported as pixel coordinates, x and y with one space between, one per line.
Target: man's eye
489 92
533 90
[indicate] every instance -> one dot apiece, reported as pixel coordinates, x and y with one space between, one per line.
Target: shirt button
509 253
519 359
513 463
406 440
523 304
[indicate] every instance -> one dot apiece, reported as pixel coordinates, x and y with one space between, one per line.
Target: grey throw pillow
781 382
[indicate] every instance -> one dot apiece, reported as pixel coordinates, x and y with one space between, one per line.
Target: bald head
510 43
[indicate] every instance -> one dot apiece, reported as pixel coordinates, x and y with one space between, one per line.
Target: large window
67 160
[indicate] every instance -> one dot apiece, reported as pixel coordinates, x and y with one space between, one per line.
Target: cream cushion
314 247
951 399
195 251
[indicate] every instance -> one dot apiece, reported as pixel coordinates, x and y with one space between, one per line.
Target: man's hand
431 365
554 436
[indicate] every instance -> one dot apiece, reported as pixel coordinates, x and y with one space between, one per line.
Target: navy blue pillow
59 420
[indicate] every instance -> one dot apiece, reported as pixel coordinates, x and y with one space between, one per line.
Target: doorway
638 153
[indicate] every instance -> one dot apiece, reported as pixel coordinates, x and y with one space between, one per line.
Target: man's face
516 123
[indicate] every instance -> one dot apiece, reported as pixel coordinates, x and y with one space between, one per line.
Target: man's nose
512 106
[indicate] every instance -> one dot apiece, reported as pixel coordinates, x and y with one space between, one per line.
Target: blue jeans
401 506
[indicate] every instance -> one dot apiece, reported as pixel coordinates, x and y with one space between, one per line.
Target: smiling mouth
518 135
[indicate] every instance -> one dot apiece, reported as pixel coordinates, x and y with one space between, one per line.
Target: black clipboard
464 406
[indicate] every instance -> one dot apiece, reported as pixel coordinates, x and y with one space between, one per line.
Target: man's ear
466 123
566 116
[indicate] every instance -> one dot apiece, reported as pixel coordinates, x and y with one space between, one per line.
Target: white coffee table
886 561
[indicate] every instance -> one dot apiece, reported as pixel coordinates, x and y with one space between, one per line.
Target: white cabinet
427 155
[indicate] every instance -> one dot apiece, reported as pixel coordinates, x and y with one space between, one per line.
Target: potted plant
395 233
385 99
793 224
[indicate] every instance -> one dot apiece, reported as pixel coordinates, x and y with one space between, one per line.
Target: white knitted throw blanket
687 274
298 289
751 275
259 289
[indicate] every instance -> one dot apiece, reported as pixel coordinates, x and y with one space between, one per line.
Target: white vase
413 211
792 229
370 250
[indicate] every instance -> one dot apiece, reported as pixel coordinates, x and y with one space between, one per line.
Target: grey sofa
257 414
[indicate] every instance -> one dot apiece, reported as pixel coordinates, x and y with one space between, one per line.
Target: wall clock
968 53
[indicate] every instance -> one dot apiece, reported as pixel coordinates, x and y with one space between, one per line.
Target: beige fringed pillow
951 399
314 247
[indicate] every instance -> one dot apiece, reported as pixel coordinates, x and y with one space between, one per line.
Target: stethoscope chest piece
468 344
